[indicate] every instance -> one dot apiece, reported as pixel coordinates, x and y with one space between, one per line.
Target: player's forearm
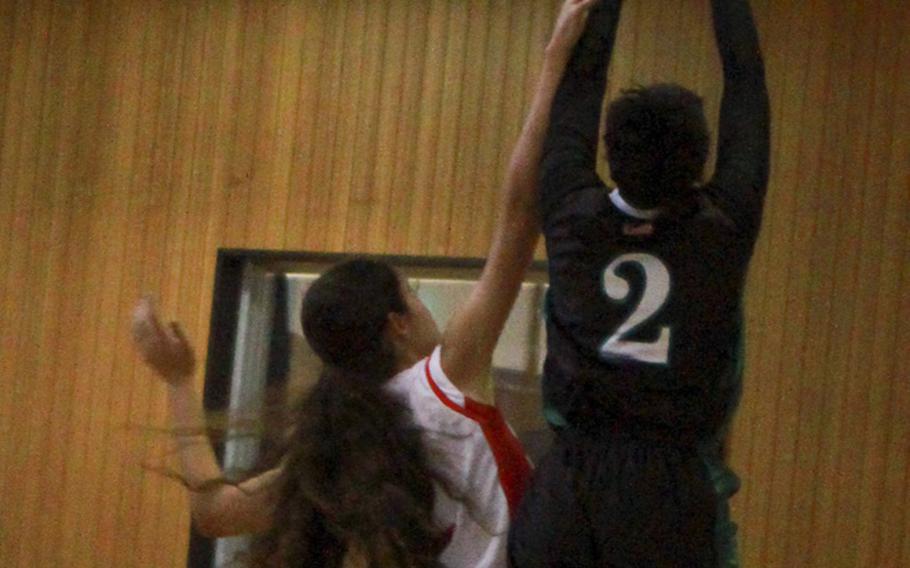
471 335
737 40
569 160
518 228
197 459
217 508
472 332
578 101
745 99
520 190
744 133
210 499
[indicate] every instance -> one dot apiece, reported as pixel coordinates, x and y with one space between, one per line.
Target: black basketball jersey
644 312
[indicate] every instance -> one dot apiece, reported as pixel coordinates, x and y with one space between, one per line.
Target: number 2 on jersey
657 288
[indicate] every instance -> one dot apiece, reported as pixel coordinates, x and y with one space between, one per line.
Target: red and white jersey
471 447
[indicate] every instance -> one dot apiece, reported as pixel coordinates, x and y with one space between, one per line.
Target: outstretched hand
570 24
163 348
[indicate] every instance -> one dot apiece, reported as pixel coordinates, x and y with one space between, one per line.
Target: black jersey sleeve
570 150
741 175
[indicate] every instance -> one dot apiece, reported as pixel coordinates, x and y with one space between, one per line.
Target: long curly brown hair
355 478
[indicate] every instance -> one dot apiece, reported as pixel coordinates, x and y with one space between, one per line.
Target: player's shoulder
436 404
586 215
590 201
735 212
698 219
710 210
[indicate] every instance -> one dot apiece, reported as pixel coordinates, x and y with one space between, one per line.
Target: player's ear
398 325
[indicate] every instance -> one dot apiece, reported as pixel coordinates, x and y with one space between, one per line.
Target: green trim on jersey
726 484
554 417
725 481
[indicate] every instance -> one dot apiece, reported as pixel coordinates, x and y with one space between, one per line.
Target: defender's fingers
585 5
176 333
145 321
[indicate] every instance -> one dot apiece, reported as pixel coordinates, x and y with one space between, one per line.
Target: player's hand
163 348
570 24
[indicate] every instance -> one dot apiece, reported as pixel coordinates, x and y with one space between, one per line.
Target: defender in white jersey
476 454
397 457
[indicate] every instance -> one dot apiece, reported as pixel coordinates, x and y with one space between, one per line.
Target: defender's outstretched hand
163 348
570 23
218 508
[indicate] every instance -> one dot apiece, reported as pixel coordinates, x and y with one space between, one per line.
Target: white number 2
657 288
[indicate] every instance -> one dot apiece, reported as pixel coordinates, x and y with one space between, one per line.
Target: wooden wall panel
137 137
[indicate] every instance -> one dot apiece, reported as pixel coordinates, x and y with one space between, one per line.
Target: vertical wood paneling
143 183
848 357
893 521
371 231
486 176
419 213
466 152
138 137
798 171
15 233
269 196
832 215
351 54
318 221
810 240
772 296
442 190
883 231
362 158
66 37
36 217
310 53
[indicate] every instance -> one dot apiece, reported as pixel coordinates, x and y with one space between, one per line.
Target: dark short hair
657 141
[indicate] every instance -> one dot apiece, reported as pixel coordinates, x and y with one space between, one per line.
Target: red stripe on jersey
512 463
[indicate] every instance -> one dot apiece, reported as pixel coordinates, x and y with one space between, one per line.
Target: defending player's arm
570 150
741 175
472 332
218 509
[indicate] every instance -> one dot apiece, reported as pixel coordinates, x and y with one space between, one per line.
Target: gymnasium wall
138 137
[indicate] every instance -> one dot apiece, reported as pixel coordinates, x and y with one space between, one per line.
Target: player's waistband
631 428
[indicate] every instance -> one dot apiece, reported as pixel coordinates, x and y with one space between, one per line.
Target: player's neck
407 358
635 209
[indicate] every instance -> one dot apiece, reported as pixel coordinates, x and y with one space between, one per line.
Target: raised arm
472 332
570 151
741 175
218 509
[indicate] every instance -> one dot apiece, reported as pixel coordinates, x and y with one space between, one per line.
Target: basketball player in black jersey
644 313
